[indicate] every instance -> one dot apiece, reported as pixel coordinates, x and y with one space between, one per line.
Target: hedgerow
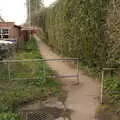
86 29
77 29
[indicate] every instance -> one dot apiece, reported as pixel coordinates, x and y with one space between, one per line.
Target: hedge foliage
112 90
87 29
76 28
9 116
113 30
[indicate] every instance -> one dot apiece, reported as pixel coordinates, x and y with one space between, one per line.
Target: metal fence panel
33 69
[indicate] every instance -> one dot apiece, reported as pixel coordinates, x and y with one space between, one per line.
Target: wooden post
102 86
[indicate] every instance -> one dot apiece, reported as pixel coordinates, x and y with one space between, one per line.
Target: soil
82 99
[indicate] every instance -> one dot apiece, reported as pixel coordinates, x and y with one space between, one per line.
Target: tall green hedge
76 28
113 31
87 29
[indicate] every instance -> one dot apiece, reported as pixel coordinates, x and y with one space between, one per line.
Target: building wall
6 24
18 33
9 26
14 33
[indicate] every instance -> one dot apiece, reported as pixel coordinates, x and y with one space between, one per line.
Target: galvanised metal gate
34 69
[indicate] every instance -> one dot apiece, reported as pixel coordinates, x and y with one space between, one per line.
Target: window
5 36
3 33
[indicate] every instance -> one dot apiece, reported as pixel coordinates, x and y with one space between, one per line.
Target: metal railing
32 69
35 69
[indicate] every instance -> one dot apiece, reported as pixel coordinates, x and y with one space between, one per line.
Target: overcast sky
48 2
15 10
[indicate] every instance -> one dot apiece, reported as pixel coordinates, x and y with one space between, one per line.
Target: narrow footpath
82 99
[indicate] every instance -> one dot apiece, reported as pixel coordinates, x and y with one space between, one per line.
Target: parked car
7 48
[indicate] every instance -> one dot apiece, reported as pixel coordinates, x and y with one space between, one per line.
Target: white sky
15 10
48 2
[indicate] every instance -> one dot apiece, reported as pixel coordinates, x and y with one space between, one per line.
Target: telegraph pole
29 12
29 17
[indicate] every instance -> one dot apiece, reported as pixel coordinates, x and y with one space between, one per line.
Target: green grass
15 93
9 116
112 90
107 112
110 109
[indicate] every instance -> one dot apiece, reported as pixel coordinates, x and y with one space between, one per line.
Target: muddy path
82 99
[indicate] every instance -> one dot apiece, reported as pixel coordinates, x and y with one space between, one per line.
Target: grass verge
13 93
110 109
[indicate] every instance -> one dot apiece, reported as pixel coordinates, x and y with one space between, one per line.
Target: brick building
18 34
11 32
8 30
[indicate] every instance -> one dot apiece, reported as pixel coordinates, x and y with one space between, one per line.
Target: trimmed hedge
87 29
76 28
113 31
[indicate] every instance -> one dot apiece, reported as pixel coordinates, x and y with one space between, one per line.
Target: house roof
18 26
27 28
1 19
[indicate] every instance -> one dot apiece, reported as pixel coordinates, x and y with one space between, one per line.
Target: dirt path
82 99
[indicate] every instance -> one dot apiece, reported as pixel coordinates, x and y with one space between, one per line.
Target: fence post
44 74
102 86
9 76
26 117
78 72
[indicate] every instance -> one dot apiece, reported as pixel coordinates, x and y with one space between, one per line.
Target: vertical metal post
44 72
26 117
29 14
29 11
9 76
102 86
78 72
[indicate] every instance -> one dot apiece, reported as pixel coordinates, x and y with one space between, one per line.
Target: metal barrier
102 81
34 69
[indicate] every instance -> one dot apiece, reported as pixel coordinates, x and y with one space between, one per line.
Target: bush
9 116
112 89
77 29
87 29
